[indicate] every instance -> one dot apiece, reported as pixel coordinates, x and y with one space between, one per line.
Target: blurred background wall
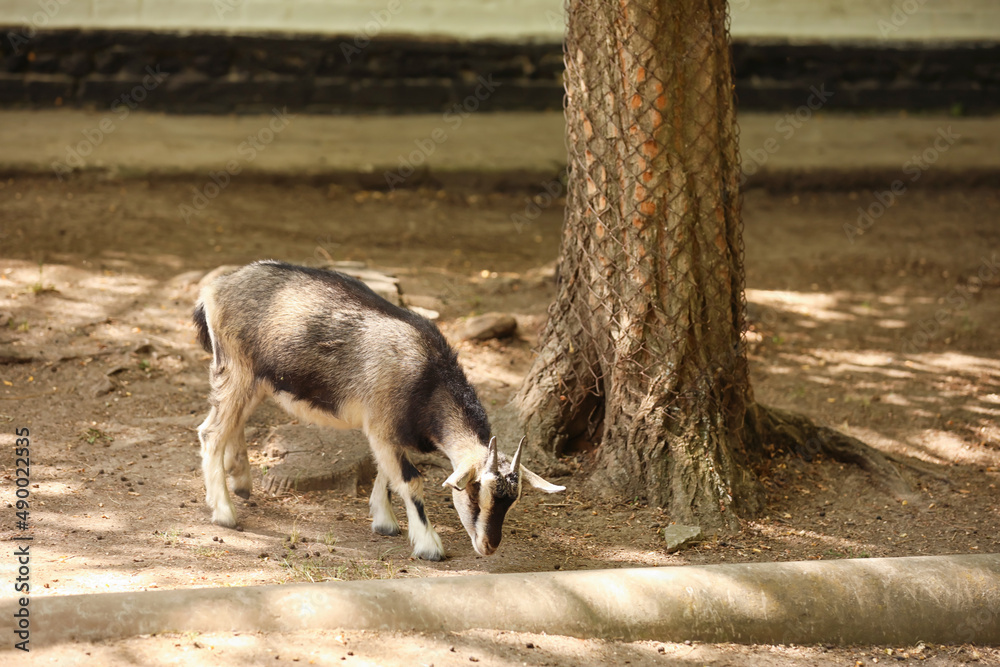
413 56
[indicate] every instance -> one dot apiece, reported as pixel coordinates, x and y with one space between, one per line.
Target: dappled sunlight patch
895 399
634 556
990 412
883 442
950 447
824 546
954 361
817 305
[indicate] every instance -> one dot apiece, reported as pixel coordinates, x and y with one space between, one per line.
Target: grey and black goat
332 352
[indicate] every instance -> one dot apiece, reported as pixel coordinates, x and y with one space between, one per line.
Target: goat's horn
516 465
492 460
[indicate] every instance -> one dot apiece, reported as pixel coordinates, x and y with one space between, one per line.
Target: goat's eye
473 489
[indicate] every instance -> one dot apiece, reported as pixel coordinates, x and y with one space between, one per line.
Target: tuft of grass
313 570
39 287
307 570
170 536
144 365
208 552
357 570
92 435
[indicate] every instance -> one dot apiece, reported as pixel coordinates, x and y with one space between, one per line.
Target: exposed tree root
796 434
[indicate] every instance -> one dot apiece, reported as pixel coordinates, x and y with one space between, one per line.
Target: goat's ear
459 479
539 483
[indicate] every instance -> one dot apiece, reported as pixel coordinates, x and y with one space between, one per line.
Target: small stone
101 387
143 348
490 325
679 536
529 645
426 312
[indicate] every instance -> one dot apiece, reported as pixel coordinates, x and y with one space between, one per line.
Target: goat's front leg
383 518
406 481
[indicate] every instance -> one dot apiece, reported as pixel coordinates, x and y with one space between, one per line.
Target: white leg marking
426 543
223 444
383 518
213 449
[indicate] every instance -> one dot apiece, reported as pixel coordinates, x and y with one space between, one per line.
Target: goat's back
326 338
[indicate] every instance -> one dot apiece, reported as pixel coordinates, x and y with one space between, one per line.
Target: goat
332 352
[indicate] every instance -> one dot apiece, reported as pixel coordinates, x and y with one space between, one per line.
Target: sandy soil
890 337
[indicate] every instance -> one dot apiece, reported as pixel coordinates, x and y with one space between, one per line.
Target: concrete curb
939 599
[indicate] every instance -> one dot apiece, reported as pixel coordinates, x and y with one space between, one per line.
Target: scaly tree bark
642 350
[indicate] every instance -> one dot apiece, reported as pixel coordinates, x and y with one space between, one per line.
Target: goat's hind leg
236 460
223 445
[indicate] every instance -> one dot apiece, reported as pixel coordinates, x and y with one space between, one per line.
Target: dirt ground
889 336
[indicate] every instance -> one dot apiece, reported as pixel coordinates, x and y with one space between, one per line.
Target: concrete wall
509 20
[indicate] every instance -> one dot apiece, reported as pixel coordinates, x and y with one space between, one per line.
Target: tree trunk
645 334
643 348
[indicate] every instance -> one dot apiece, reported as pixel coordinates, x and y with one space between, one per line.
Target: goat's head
484 491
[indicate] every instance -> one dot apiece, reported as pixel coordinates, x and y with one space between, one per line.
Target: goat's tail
202 323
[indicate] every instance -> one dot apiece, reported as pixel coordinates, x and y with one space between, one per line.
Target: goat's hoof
225 517
429 555
242 493
389 530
